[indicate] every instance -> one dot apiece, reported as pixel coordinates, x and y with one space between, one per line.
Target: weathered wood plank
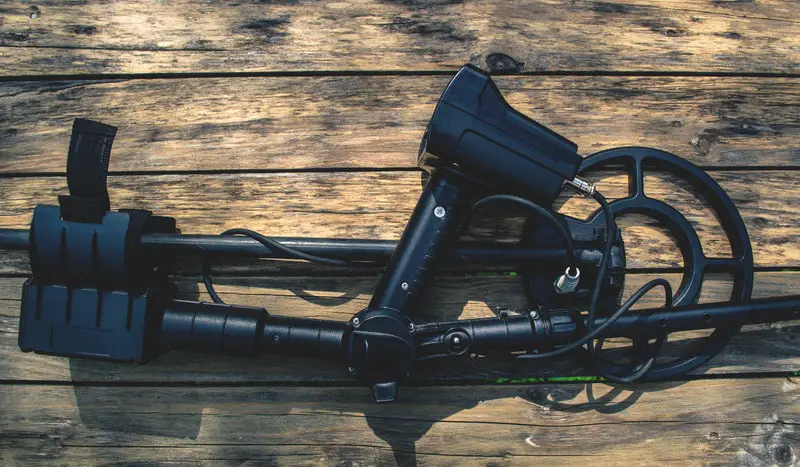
377 121
76 38
757 349
652 424
377 205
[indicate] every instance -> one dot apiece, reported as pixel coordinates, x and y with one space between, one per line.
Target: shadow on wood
401 425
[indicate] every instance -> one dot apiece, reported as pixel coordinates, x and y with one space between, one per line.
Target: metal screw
351 370
404 286
276 338
439 211
456 340
534 314
410 326
356 322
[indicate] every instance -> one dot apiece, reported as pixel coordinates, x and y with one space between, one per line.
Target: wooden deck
302 118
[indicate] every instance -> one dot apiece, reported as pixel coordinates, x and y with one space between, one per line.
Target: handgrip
247 331
427 234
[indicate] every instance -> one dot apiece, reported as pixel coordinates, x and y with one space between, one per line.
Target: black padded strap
77 209
142 222
87 161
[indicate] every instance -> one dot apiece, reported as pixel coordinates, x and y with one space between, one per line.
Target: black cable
638 371
608 322
593 350
210 289
634 375
565 237
274 246
601 273
288 251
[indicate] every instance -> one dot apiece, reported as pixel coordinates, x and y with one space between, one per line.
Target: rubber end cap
385 392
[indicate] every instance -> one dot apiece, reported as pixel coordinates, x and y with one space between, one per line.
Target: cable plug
567 283
581 186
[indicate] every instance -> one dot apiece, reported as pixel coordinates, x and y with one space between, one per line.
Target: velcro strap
77 209
144 222
87 160
138 220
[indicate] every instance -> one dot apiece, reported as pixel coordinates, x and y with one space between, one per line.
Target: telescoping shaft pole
542 331
253 331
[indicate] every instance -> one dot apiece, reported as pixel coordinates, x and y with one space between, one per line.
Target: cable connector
580 186
567 283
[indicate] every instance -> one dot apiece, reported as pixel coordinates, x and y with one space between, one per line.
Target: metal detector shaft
378 251
253 331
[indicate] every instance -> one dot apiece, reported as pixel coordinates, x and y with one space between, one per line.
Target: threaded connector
580 186
567 283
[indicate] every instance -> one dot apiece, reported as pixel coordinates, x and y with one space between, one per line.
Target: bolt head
404 286
456 340
534 314
410 326
356 322
439 211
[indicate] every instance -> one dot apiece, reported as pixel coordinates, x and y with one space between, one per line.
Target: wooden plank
76 38
754 423
377 205
281 123
757 349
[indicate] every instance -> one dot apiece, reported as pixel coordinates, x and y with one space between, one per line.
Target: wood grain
754 424
289 123
339 89
377 205
757 349
182 36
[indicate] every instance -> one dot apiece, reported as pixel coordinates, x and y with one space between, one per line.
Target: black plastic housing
86 322
473 130
80 254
